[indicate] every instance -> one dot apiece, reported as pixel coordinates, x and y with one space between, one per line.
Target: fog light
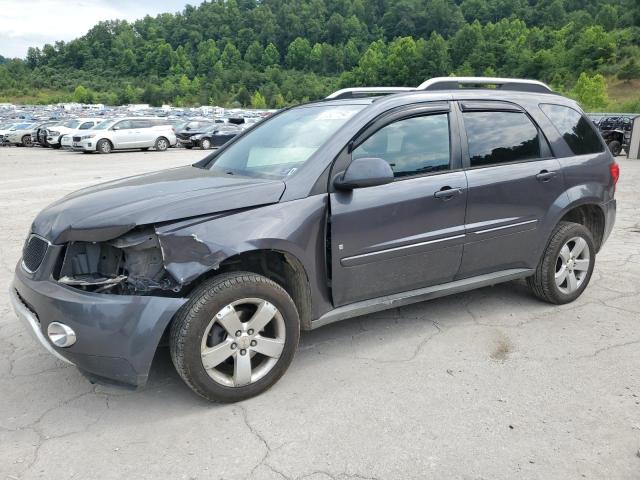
61 335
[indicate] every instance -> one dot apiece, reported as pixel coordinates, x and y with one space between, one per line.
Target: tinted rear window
576 130
500 137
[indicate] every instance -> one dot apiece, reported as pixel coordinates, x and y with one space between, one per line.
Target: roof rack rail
454 83
359 92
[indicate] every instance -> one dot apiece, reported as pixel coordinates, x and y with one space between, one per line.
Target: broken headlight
130 264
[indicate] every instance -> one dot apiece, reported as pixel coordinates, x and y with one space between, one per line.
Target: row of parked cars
104 135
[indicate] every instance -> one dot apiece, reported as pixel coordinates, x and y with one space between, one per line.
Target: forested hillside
278 52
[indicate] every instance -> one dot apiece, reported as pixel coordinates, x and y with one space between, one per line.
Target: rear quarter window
575 129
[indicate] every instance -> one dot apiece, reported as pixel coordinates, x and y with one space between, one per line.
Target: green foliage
591 92
291 51
258 101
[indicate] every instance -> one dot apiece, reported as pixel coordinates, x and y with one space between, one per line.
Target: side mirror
364 172
115 128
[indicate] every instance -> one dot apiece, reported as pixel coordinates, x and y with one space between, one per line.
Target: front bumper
117 335
84 146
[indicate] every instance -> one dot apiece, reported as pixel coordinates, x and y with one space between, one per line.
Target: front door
513 181
407 234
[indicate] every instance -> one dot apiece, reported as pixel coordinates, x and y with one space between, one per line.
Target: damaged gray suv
371 199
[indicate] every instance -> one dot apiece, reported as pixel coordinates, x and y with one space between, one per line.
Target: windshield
103 125
279 146
21 126
71 123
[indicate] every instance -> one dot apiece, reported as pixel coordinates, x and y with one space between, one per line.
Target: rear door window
500 137
575 129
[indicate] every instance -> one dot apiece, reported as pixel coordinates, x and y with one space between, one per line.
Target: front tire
104 146
566 266
26 141
205 144
235 337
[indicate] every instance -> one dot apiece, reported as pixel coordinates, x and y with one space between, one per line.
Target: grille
33 253
76 139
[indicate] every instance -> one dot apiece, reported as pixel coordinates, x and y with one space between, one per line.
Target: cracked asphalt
491 384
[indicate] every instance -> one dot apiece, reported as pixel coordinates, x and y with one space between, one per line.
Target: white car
19 134
66 127
126 133
66 140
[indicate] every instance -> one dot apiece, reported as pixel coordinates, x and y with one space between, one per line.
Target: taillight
614 169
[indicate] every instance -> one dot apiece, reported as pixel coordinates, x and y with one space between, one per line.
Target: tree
82 95
630 71
253 55
591 92
298 54
258 101
271 56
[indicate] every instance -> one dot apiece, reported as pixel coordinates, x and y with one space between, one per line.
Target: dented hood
110 209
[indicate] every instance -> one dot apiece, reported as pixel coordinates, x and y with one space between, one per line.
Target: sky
32 23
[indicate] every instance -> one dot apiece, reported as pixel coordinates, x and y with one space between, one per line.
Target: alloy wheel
243 342
572 265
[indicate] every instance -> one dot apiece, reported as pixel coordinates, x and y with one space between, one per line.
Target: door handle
545 175
445 193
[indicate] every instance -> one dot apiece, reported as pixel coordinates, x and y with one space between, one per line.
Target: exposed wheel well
592 217
281 267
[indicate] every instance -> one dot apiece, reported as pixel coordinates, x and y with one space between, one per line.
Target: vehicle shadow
391 325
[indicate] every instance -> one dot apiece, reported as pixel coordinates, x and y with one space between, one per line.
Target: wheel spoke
214 356
561 275
262 317
565 254
578 247
271 347
572 282
228 318
242 370
581 265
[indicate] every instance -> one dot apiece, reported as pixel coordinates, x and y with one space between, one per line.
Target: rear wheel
615 147
104 146
235 337
566 266
162 144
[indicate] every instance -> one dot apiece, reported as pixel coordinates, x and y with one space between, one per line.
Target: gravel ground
491 384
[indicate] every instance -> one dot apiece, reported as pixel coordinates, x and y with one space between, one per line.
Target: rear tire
566 265
104 146
214 326
162 144
615 147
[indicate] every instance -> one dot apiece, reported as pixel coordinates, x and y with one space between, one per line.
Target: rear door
407 234
513 182
143 135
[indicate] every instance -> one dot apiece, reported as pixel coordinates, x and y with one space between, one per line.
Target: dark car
216 136
189 130
616 132
322 212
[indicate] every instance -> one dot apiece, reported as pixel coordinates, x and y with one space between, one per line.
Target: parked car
126 133
191 129
215 136
322 212
19 134
56 132
39 133
66 140
616 132
5 127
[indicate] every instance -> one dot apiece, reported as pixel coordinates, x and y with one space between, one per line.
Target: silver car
126 133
